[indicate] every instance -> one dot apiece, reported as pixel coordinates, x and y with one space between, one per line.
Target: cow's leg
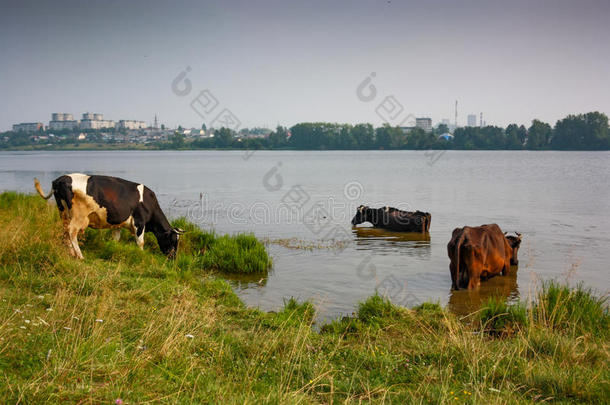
474 282
473 268
506 267
140 237
116 234
138 228
74 229
78 224
65 219
454 281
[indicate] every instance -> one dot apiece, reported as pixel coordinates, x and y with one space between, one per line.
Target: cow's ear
178 231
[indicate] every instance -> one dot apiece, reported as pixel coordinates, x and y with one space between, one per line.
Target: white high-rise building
61 121
95 121
131 124
472 120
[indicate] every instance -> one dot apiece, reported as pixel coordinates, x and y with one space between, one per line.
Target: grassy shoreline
130 325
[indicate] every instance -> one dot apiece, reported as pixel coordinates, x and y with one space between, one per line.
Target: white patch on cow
79 182
141 190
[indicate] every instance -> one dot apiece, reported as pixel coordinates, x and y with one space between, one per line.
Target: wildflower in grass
118 401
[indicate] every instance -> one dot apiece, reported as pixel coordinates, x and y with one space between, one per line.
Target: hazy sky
285 62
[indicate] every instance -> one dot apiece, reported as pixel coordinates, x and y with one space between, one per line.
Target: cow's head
514 242
362 215
168 241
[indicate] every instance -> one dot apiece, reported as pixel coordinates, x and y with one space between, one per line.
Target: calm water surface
302 203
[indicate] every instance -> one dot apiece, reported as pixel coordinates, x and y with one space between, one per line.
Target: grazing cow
393 219
103 202
479 253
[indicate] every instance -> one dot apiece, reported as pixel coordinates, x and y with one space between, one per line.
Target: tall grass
242 253
576 310
499 318
131 325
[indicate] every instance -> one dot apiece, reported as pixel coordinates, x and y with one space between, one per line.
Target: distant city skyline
273 62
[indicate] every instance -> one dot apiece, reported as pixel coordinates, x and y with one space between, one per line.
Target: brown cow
479 253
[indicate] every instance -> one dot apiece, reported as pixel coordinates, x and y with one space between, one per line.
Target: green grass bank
131 325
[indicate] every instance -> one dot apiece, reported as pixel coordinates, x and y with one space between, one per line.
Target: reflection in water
370 232
464 302
389 242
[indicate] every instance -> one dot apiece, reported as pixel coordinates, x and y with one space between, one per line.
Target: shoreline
144 148
129 324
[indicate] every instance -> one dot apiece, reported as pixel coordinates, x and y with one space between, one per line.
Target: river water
301 203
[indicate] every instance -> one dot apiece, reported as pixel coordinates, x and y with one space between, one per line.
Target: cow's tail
39 189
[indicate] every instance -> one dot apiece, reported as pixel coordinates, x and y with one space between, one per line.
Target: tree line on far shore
575 132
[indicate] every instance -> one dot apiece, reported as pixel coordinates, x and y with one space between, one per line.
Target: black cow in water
393 219
103 202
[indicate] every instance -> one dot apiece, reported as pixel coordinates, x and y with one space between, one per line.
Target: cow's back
119 197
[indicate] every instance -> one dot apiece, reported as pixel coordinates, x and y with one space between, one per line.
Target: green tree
278 138
582 132
223 137
515 136
538 135
441 129
363 135
418 138
177 140
389 137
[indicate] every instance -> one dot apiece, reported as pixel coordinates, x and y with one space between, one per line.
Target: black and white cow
393 219
103 202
